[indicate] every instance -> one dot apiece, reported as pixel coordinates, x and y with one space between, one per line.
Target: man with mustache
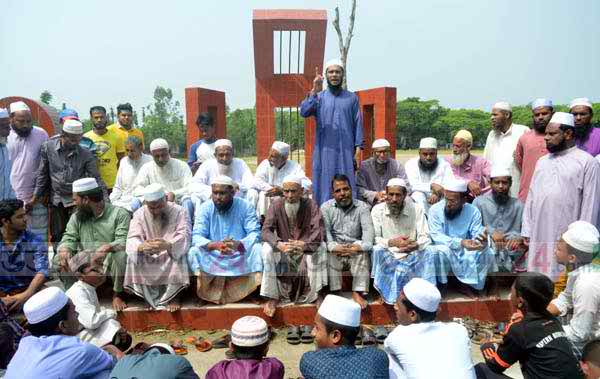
564 189
531 146
587 135
130 166
6 190
473 169
375 172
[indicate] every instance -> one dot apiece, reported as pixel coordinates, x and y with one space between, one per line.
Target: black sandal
381 334
306 334
293 335
222 342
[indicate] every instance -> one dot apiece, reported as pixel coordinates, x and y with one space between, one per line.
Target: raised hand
318 82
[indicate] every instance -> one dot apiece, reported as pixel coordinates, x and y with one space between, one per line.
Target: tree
474 120
164 119
415 119
344 45
241 130
46 97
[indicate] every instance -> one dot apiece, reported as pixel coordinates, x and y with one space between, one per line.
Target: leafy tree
473 120
415 120
163 119
46 97
241 130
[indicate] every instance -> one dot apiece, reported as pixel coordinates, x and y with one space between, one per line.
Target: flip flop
368 338
222 342
306 334
203 345
381 334
293 335
179 347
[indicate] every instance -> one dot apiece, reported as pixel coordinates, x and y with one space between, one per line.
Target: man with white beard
472 169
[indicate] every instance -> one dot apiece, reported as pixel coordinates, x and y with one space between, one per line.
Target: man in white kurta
129 167
501 142
270 173
565 188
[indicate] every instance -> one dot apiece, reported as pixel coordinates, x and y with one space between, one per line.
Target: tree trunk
345 45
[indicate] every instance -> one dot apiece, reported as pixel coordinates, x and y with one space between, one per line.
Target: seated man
204 149
271 171
590 360
129 167
418 338
225 253
502 216
97 226
337 324
293 253
157 244
576 250
456 228
402 249
23 257
375 172
350 237
157 361
250 344
224 164
53 350
427 174
11 333
468 167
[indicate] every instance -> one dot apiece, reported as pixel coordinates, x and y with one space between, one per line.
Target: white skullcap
333 62
340 310
281 147
158 144
223 142
428 143
379 143
562 118
465 135
582 236
541 103
44 304
19 106
154 192
249 331
292 179
503 105
223 180
500 170
72 127
422 294
396 182
84 185
456 185
164 346
4 113
580 101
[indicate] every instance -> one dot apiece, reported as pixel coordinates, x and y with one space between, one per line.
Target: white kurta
420 181
500 151
99 323
205 151
175 177
122 193
240 173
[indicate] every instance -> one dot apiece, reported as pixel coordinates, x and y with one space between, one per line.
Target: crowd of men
150 223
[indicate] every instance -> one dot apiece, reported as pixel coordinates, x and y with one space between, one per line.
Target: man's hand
170 196
160 244
146 248
233 245
15 302
114 351
409 247
341 250
398 242
101 253
317 82
297 246
437 189
474 188
433 198
64 255
380 197
275 191
471 244
515 244
284 247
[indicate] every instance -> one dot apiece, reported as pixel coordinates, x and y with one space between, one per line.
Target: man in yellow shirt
124 125
110 147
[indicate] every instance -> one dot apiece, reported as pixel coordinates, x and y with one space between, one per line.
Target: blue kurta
6 190
339 133
238 223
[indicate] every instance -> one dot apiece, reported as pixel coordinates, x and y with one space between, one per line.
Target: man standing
204 148
375 172
124 124
122 193
564 189
531 146
502 142
587 136
6 190
472 169
110 147
339 134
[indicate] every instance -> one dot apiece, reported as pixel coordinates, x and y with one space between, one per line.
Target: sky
465 53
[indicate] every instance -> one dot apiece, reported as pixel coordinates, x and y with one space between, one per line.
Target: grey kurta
369 182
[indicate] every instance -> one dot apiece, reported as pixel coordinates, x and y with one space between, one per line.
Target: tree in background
46 97
474 120
415 119
163 119
344 44
241 130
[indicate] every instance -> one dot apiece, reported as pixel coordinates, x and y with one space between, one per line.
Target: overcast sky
466 53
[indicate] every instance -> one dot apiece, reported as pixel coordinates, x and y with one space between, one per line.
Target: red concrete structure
378 106
45 116
198 100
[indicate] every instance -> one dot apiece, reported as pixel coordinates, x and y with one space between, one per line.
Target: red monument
198 100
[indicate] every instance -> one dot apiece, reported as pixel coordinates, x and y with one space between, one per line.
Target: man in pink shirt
473 169
531 145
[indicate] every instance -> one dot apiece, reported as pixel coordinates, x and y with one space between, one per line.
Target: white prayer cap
292 179
423 294
73 127
465 135
4 113
456 185
562 118
223 142
44 304
502 105
500 170
396 182
164 346
428 143
580 101
281 147
19 106
159 143
379 143
249 331
333 62
84 185
340 310
223 180
582 236
541 103
154 192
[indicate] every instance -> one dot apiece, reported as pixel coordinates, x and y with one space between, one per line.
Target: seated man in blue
455 226
225 252
23 257
204 148
337 324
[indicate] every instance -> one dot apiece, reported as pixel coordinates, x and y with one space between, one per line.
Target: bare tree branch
345 46
336 24
350 27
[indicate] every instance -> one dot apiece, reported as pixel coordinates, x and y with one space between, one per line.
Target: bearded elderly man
427 174
471 168
96 226
564 189
130 166
225 252
157 244
375 172
294 255
587 135
270 173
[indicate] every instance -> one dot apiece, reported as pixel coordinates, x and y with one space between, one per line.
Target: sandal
306 334
293 335
368 337
179 347
222 342
203 345
381 334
